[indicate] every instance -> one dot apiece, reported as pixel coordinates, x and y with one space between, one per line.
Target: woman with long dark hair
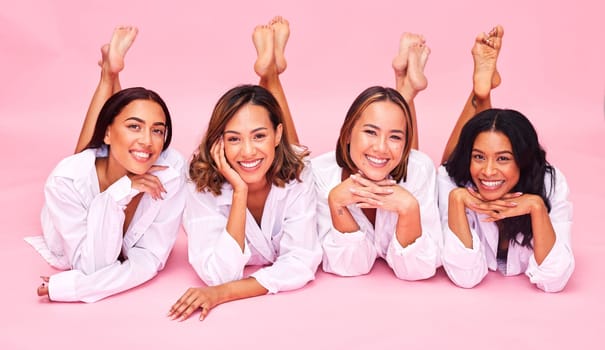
112 210
503 206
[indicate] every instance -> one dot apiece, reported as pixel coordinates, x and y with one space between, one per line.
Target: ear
278 134
107 138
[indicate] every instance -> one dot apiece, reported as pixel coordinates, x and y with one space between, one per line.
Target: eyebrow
377 128
499 152
262 128
143 122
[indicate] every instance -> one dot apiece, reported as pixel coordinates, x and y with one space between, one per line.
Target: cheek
230 152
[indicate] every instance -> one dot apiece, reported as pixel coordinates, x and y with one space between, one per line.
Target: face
378 139
250 142
493 167
136 137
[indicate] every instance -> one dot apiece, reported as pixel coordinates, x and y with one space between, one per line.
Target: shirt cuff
62 286
121 191
339 238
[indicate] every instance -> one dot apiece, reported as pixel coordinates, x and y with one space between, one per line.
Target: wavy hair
116 103
527 152
366 98
287 164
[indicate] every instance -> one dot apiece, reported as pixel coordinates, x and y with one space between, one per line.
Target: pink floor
553 70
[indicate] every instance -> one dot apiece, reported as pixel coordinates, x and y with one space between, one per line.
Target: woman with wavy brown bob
251 200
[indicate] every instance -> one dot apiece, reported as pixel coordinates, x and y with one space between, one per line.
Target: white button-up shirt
83 228
352 254
286 238
467 267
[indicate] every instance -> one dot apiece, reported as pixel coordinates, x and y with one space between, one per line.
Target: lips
491 184
250 164
375 161
141 156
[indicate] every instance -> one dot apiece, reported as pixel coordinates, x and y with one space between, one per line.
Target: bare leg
409 73
485 78
112 63
270 43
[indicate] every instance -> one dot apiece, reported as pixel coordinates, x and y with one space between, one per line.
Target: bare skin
485 53
112 63
281 30
270 43
408 66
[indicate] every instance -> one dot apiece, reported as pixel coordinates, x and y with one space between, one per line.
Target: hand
496 209
357 190
149 183
385 194
43 288
205 298
218 155
510 205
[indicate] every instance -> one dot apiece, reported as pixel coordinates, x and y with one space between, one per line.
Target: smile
141 155
250 165
491 184
377 161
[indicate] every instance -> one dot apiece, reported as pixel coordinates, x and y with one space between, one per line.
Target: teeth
141 154
376 160
492 183
250 164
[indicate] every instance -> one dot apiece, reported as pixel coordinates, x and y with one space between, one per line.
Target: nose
145 138
381 144
490 168
248 148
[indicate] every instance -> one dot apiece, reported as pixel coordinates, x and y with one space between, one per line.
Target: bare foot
121 40
263 42
281 32
485 55
104 53
418 55
400 62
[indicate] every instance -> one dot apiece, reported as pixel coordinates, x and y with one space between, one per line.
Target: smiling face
250 142
136 137
377 139
493 167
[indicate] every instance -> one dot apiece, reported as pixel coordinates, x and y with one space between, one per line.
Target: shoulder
77 165
557 189
325 163
326 171
420 166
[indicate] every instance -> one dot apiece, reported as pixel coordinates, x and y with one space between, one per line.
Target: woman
377 195
250 193
112 210
503 206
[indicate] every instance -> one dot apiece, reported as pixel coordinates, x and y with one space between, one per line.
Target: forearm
543 232
236 222
342 220
409 227
240 289
458 222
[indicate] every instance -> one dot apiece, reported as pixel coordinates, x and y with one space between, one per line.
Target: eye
134 127
370 132
259 136
478 156
504 158
396 137
158 131
232 139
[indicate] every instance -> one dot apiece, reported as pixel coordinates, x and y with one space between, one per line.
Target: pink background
552 65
